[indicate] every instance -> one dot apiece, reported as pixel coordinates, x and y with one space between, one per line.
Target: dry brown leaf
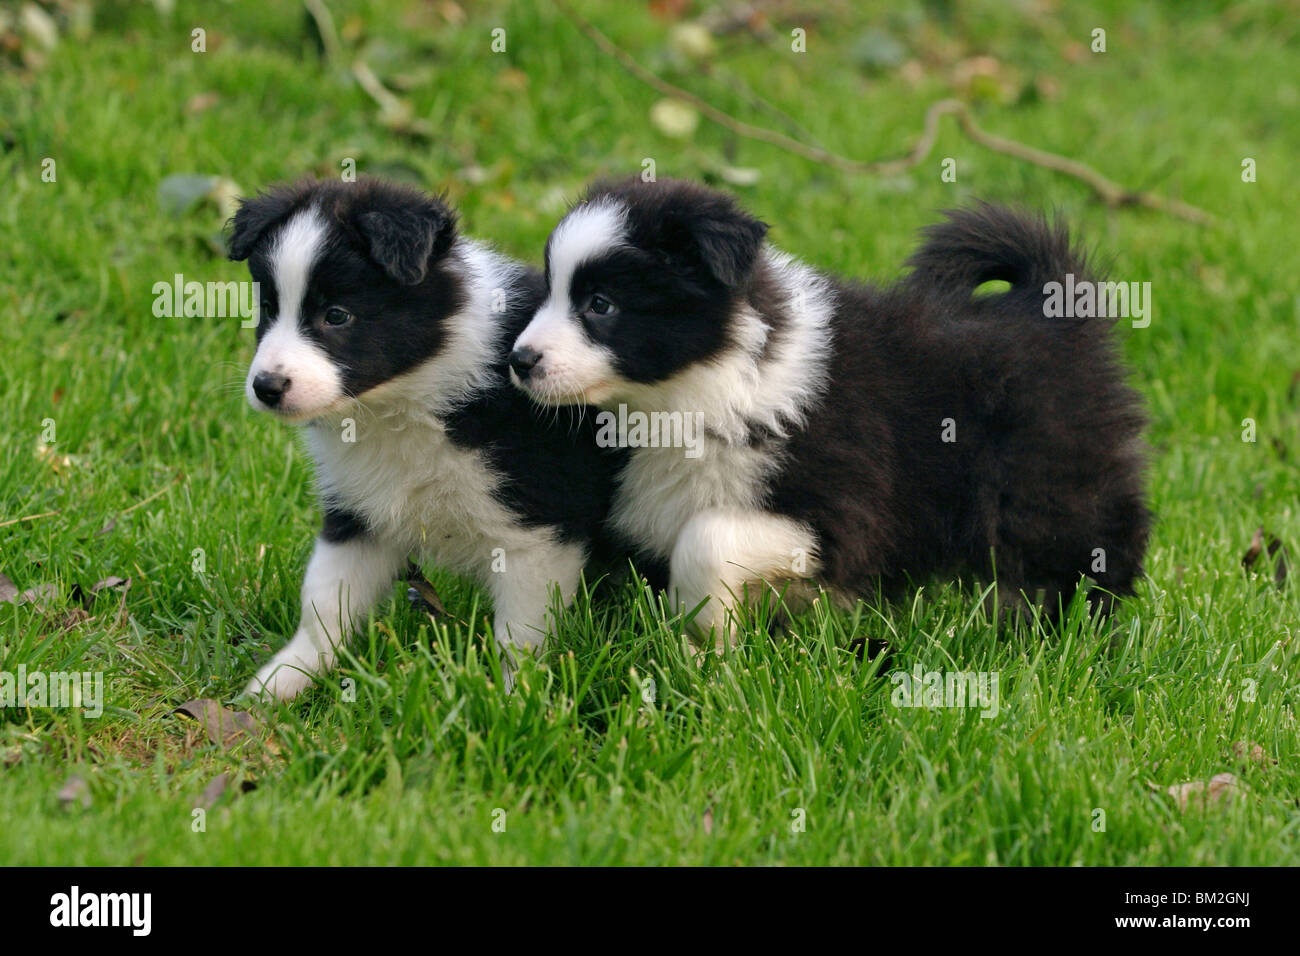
513 79
1250 752
223 726
669 9
1074 52
34 596
201 102
1256 547
422 593
73 791
453 13
214 790
1259 542
219 785
1221 788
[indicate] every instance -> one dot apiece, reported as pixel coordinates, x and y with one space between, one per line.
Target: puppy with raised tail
855 437
384 333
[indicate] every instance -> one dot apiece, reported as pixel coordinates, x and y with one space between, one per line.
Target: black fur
339 525
1048 462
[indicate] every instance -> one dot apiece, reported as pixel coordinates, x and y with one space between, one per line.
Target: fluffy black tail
985 242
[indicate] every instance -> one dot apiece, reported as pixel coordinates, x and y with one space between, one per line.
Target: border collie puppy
385 333
855 437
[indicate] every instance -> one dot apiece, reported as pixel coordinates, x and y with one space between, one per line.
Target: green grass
716 766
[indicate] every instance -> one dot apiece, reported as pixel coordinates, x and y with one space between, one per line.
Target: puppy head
354 289
643 279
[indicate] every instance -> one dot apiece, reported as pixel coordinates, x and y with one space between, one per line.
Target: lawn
129 451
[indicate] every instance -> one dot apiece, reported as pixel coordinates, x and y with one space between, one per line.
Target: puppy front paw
284 677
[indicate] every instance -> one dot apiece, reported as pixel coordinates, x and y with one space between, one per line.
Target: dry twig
1109 191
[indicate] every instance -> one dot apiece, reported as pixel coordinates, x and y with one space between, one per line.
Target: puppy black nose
269 387
522 360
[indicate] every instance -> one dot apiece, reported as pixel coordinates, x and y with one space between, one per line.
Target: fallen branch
329 37
1109 191
43 514
389 103
157 494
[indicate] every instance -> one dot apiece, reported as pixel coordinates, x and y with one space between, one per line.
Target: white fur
297 247
420 493
721 555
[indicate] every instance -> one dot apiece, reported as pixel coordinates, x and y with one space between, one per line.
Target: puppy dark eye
336 316
265 308
600 306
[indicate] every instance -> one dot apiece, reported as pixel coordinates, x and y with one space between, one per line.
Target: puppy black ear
702 231
403 241
258 214
708 230
729 244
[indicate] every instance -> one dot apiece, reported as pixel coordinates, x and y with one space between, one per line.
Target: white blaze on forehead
582 235
296 249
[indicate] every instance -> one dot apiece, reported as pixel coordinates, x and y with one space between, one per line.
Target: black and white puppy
386 333
855 437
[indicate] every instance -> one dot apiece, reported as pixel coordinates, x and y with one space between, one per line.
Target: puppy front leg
521 583
344 580
719 552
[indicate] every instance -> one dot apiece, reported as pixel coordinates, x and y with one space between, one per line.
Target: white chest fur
760 382
661 489
416 488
